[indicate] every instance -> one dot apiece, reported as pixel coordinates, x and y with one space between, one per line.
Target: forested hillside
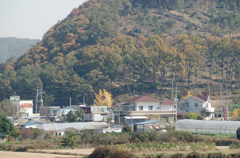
131 47
14 47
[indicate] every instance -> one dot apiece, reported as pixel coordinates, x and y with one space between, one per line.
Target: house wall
44 111
93 117
166 107
98 109
156 106
106 130
27 112
58 133
191 102
26 106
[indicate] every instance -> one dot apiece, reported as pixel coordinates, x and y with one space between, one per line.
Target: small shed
149 126
33 125
109 130
134 119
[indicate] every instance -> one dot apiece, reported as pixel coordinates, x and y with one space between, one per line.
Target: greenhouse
216 127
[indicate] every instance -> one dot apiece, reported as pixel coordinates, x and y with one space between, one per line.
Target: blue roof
147 122
31 123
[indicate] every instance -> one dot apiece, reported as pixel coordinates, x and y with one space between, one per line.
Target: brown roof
201 98
142 99
167 102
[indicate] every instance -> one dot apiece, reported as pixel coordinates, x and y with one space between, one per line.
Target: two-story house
197 104
141 108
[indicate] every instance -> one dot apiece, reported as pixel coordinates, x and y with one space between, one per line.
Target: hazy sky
32 18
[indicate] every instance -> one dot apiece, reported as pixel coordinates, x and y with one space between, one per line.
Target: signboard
26 105
225 113
14 97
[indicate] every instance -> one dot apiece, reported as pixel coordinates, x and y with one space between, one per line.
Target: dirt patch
10 154
74 152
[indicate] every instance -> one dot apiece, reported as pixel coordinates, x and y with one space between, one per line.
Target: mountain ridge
129 46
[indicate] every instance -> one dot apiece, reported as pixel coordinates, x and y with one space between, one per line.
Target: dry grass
75 152
85 152
10 154
219 149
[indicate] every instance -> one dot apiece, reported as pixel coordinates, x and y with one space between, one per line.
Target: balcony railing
209 109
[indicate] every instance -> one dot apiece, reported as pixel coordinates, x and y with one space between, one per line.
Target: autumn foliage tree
103 98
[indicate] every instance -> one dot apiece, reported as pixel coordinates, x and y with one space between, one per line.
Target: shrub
69 139
216 155
178 155
99 152
127 129
226 142
26 133
141 136
110 152
37 133
194 154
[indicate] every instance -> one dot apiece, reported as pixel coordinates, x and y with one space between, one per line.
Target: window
206 105
187 104
140 107
165 118
196 105
150 107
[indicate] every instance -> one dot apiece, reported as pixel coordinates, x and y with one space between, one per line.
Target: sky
32 18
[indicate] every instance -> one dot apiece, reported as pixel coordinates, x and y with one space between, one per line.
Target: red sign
225 113
25 105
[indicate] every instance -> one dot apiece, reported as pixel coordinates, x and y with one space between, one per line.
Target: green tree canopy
6 126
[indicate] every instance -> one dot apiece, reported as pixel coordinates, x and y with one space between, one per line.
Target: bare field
74 152
62 153
10 154
79 153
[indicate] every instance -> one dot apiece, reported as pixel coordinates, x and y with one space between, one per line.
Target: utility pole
83 100
209 87
176 100
176 93
36 102
131 117
118 115
18 109
172 89
70 102
41 97
227 100
221 96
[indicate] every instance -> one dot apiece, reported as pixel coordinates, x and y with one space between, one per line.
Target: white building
141 108
196 104
26 107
